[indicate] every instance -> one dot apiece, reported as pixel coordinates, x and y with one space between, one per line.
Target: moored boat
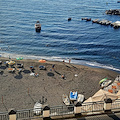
38 26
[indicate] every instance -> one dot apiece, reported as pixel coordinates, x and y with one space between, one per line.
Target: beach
22 91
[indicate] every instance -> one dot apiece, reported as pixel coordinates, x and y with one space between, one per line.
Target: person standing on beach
53 66
69 60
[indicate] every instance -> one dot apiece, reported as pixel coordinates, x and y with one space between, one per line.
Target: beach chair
42 67
110 90
19 69
11 69
19 65
118 85
114 88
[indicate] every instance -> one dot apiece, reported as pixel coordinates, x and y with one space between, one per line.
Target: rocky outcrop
113 12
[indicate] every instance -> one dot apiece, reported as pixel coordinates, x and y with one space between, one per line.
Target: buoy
69 19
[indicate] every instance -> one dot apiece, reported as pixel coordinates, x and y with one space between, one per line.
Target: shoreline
21 91
60 59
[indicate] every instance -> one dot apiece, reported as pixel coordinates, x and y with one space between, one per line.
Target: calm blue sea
83 42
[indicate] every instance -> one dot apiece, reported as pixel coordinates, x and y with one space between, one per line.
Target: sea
85 43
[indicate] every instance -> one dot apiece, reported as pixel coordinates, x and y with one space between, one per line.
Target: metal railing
92 107
4 116
28 113
61 110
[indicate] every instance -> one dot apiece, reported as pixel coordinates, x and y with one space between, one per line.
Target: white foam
55 58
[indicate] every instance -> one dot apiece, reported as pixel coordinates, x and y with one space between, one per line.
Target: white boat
65 99
106 83
38 26
37 108
80 98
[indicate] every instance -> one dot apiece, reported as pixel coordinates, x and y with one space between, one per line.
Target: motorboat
38 26
65 99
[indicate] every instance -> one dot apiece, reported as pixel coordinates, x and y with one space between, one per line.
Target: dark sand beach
21 91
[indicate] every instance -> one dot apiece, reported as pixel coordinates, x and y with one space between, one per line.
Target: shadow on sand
50 74
3 67
26 71
19 76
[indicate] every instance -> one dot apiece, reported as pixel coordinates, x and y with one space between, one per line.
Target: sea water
83 42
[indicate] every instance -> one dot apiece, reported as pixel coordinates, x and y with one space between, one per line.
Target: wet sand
21 91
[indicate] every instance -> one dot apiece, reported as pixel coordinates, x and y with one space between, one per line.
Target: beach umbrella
88 100
101 81
19 58
42 61
102 94
11 62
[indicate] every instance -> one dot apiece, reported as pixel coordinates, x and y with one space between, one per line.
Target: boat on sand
65 99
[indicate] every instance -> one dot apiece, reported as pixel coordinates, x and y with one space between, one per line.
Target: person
63 76
53 66
69 60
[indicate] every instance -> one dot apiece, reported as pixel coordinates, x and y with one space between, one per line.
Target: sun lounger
11 69
19 65
65 99
19 69
42 67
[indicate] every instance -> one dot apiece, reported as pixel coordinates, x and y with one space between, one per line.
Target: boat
80 98
37 108
73 95
106 83
38 26
65 99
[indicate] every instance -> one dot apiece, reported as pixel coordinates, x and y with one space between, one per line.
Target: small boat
11 69
65 99
38 26
80 98
37 108
106 83
73 95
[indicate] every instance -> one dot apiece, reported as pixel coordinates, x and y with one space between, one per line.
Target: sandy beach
21 91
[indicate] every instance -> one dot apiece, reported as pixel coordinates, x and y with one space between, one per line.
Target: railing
61 110
116 104
92 107
4 116
28 113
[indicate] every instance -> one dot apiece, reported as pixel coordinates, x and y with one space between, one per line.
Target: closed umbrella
42 61
102 94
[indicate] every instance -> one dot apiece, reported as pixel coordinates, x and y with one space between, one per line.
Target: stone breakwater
113 12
